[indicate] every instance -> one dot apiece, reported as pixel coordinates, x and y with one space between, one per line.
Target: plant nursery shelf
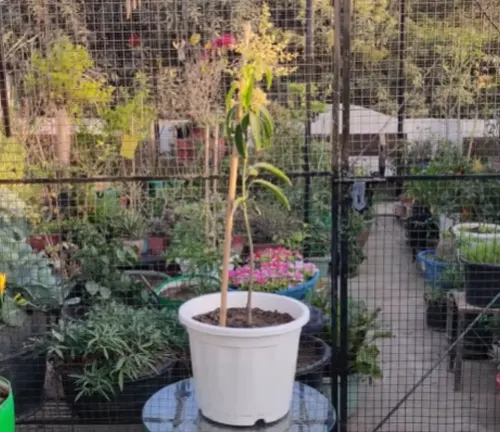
174 408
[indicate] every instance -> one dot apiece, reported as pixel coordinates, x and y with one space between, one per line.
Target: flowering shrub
275 270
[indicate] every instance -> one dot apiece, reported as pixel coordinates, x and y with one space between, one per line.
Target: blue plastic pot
298 292
432 270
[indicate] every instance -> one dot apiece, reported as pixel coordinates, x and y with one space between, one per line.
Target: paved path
389 280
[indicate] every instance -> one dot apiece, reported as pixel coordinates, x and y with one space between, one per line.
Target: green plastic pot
177 282
7 413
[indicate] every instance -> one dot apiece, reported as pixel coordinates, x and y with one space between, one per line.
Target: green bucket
7 414
178 282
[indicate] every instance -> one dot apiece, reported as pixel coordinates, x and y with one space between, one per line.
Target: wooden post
231 195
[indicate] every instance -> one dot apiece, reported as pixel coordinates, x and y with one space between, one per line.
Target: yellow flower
3 283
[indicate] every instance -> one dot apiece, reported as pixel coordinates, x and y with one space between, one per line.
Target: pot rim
489 266
457 232
318 364
186 317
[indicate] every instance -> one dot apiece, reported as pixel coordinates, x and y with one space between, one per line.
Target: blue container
432 270
298 292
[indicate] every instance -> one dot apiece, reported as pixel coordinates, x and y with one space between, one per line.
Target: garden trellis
114 178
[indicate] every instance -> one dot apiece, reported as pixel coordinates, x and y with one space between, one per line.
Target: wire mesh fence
375 122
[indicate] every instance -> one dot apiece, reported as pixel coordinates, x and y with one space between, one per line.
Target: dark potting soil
182 293
237 318
308 353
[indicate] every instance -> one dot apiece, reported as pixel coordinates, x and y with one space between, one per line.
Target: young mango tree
262 57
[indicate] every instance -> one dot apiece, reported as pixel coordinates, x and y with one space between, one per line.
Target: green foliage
129 224
113 345
484 252
135 115
101 261
29 274
63 76
363 331
188 244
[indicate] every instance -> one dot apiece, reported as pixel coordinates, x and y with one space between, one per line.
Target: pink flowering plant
275 270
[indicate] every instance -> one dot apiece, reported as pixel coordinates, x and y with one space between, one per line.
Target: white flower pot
472 238
244 375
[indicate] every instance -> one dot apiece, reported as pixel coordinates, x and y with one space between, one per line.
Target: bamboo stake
231 195
206 173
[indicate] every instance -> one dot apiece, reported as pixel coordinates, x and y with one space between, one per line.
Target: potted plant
174 292
434 269
271 225
473 233
28 289
7 413
279 271
111 377
481 263
260 330
45 234
435 314
157 240
364 330
132 227
98 271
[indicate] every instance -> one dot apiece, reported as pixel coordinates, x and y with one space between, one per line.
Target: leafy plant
101 262
363 331
130 224
28 275
247 117
487 252
135 115
189 245
114 344
62 78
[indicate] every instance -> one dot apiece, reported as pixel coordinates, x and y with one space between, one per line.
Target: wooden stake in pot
233 177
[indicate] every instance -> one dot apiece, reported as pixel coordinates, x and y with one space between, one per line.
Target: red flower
134 40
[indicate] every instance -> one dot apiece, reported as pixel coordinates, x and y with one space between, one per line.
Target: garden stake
233 177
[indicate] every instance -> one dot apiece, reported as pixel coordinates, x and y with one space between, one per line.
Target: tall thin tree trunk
63 134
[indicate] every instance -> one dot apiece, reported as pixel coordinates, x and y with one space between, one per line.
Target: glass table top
174 408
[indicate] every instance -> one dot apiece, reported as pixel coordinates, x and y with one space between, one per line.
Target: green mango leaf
248 92
239 141
256 130
229 123
267 121
271 169
230 95
269 79
277 191
12 314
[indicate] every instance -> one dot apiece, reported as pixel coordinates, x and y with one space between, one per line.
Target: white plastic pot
468 238
244 375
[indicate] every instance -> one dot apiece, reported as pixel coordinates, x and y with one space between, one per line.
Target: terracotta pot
185 150
408 200
157 245
40 241
264 246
